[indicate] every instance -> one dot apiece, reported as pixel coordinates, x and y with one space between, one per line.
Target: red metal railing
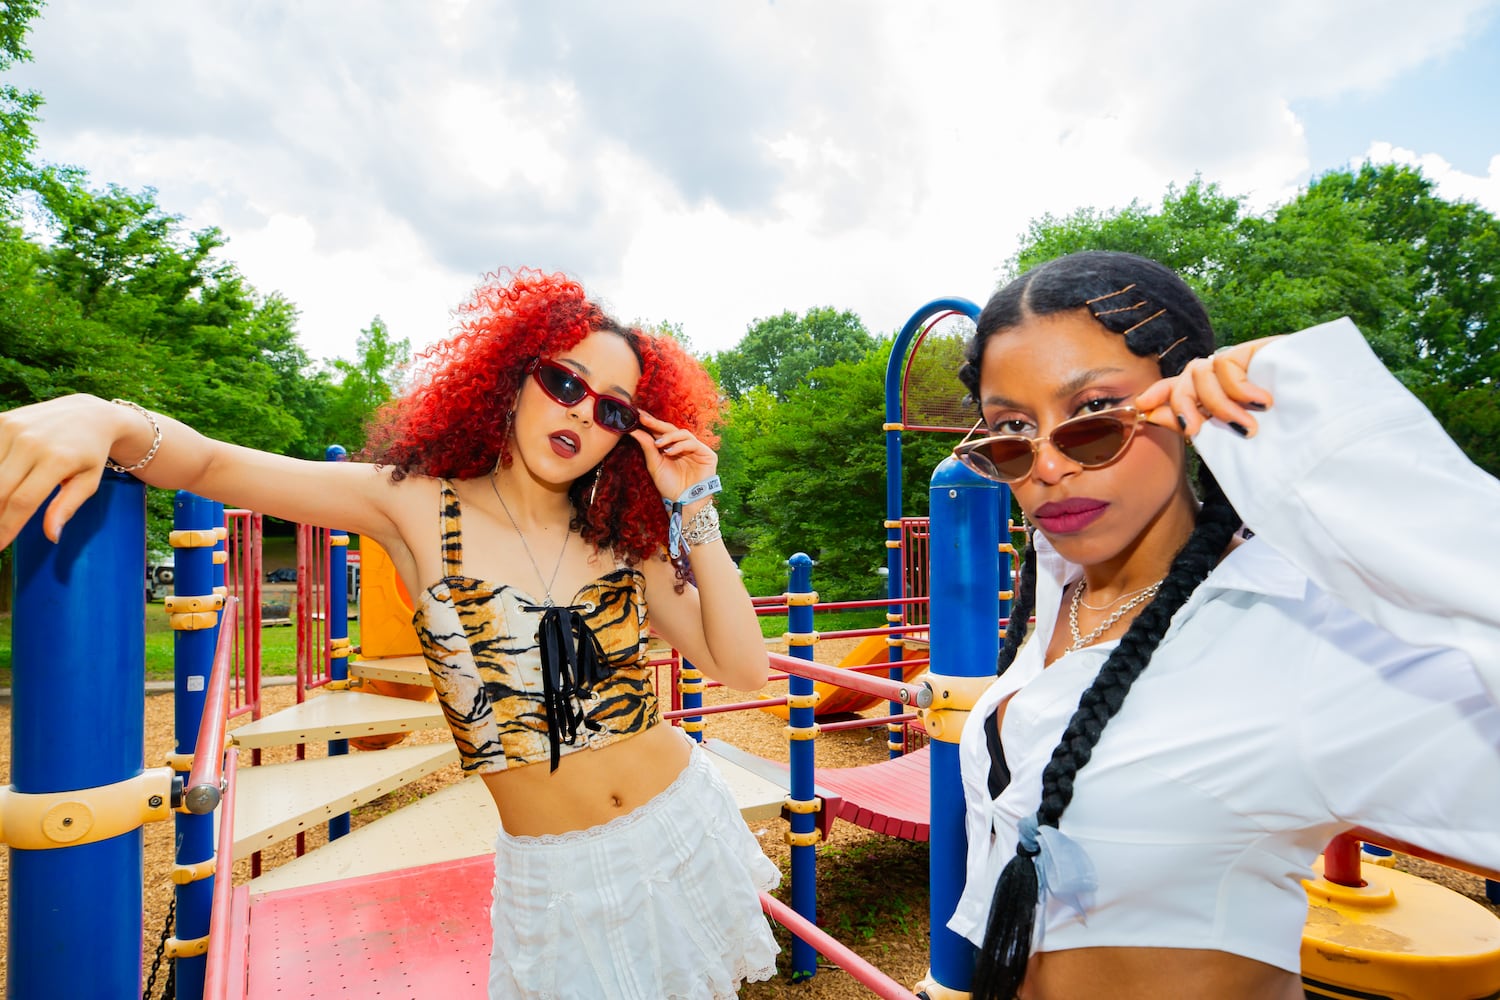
242 578
845 958
312 608
220 939
204 783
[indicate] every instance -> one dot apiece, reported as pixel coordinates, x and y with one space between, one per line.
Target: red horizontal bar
845 958
880 720
1405 847
688 713
906 694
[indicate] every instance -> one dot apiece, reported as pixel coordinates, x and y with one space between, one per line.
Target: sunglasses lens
1091 441
1002 459
615 415
561 384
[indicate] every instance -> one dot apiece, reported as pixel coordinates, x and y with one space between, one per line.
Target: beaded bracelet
114 466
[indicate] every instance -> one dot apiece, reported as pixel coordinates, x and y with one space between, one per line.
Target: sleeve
1353 481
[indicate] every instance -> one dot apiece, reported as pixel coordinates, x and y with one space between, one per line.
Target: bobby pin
1122 309
1169 349
1101 298
1126 333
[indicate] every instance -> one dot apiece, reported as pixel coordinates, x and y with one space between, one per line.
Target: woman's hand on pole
1215 387
61 442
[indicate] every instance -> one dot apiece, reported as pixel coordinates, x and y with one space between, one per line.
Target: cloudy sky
712 163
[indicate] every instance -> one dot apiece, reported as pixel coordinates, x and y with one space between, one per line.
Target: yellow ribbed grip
185 874
183 604
193 621
175 948
203 538
803 805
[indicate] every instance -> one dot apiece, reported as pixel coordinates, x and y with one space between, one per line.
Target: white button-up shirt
1341 668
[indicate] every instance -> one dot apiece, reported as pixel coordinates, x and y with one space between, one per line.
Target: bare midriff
589 787
1153 973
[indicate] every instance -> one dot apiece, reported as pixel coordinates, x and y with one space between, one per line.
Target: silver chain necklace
546 584
1117 600
1080 641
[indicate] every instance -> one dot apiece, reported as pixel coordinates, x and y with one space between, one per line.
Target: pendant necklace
546 584
1080 641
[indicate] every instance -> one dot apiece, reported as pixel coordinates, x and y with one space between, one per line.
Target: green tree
18 108
782 352
363 385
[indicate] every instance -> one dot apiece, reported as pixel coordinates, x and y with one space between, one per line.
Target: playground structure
74 826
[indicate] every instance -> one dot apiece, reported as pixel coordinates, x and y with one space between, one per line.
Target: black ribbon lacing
572 663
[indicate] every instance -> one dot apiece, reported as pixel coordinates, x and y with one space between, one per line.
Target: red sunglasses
567 387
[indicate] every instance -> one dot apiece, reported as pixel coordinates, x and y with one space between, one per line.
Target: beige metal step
339 715
277 801
401 669
458 822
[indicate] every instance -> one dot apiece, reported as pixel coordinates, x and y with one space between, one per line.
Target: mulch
871 889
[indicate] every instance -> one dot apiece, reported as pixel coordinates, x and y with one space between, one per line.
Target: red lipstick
1061 517
565 443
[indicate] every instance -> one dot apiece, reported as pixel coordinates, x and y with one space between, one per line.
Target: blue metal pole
968 526
895 368
338 627
196 572
801 729
690 687
78 689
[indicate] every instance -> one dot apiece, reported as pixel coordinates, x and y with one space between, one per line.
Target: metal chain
169 988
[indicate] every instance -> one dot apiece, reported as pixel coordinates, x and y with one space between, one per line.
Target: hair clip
1101 298
1163 354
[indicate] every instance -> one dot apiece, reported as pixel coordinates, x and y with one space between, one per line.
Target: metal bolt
67 821
953 494
154 802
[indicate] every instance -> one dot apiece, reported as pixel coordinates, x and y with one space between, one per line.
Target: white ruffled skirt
660 904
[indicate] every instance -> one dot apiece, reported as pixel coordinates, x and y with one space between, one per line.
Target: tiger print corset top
520 681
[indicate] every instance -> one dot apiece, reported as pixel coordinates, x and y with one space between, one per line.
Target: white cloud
1452 184
706 164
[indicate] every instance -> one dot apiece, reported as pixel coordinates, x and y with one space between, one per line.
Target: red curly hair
453 423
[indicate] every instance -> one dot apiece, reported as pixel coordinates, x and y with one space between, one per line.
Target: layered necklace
546 583
1137 597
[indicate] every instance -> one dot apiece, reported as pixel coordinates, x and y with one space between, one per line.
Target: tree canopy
782 352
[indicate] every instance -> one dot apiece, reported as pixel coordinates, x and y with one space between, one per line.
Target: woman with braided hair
1199 711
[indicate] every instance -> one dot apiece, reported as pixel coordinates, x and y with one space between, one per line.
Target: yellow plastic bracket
809 839
342 685
193 621
803 700
185 874
952 698
800 638
175 948
338 648
897 426
893 619
890 525
179 604
690 674
892 543
934 990
338 539
1007 595
803 805
196 539
801 600
221 591
692 727
691 687
180 762
1007 548
894 745
803 732
221 533
45 820
895 640
220 557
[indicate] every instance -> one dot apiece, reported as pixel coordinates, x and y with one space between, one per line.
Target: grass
278 647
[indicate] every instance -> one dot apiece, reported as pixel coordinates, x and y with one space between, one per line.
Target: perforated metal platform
340 715
401 669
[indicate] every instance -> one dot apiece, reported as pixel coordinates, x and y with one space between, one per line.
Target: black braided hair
1158 315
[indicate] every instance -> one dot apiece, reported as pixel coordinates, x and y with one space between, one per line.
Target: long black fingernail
1239 429
1259 407
1180 422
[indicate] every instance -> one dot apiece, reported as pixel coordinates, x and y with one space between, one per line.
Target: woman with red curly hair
546 480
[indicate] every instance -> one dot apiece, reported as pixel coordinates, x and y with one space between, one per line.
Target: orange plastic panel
385 608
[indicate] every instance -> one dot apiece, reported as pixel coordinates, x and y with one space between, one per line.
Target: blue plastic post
968 524
194 576
804 858
691 689
338 626
78 695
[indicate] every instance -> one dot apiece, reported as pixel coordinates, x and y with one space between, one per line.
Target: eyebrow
583 370
1080 381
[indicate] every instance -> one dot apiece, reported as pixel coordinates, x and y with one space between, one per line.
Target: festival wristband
676 544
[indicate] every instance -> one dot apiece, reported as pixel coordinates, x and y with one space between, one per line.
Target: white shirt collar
1253 567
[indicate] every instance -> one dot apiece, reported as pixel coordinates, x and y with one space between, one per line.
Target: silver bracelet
702 527
111 464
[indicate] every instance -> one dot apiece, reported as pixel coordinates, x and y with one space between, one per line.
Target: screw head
154 802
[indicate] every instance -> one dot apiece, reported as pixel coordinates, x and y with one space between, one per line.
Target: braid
1021 609
1007 940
